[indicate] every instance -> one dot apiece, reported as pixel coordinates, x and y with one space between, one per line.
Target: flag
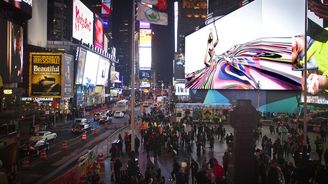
160 4
106 8
318 9
147 14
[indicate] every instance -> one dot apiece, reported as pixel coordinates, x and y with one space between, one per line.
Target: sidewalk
165 160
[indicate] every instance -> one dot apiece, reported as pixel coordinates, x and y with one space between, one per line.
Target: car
109 113
118 114
33 148
44 135
80 128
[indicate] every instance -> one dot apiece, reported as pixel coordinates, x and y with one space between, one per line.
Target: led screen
180 89
82 22
80 65
103 70
11 52
250 48
99 32
24 5
145 58
90 69
145 38
316 50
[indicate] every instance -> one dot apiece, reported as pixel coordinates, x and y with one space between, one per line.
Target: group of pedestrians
281 155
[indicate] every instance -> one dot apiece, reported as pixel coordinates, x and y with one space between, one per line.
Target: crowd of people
281 154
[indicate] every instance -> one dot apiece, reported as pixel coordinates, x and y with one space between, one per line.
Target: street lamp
133 78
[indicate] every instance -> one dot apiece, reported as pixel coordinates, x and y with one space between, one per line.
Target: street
57 157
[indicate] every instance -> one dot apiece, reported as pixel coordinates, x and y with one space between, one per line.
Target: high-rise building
121 31
60 16
191 15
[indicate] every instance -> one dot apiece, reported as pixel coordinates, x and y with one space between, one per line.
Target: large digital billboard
45 74
103 71
82 53
316 48
11 52
24 5
90 69
250 48
82 22
145 58
145 46
98 32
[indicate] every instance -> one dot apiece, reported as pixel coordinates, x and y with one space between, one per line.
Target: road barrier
84 136
43 154
77 174
64 145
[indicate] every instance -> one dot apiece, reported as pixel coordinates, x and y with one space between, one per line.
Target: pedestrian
117 169
326 158
194 169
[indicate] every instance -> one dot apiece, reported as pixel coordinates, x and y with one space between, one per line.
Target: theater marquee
45 74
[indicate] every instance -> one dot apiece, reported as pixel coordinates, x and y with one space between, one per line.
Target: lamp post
305 76
133 77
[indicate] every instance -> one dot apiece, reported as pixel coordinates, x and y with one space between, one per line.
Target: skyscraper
121 31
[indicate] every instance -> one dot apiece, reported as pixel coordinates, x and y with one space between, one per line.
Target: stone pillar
244 119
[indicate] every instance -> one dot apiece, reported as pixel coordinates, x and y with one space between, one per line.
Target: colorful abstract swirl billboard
250 48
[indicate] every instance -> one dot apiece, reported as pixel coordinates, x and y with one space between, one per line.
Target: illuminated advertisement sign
45 74
144 84
145 38
219 56
98 32
145 58
80 65
82 22
144 74
90 69
67 77
317 51
103 71
144 46
181 90
12 64
24 5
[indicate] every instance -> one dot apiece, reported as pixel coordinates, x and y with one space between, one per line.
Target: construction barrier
26 162
43 154
64 145
84 136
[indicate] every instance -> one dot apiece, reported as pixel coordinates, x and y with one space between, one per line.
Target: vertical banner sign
67 79
45 74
